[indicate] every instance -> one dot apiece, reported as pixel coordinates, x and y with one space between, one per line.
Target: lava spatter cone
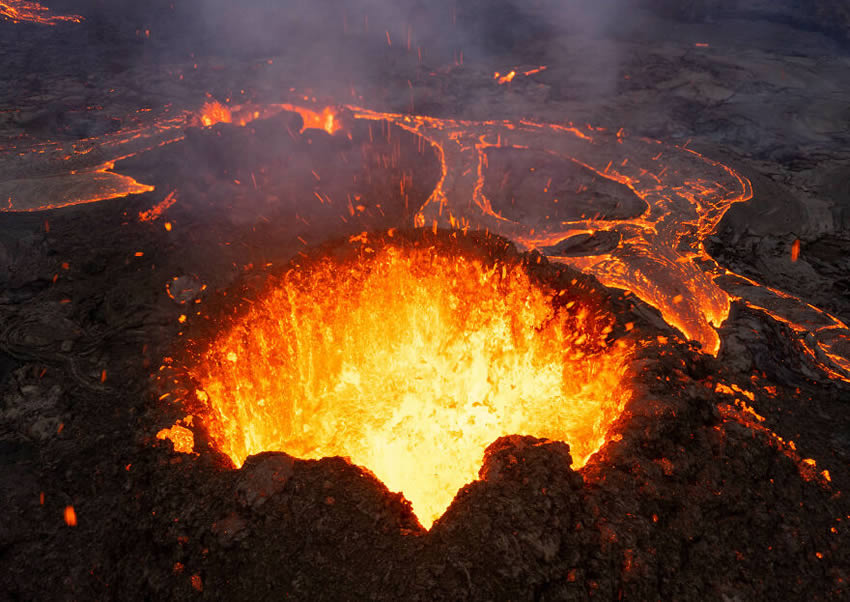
410 355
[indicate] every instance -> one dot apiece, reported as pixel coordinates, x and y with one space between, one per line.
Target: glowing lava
410 361
181 437
21 11
55 174
660 256
214 112
504 79
155 212
326 119
510 75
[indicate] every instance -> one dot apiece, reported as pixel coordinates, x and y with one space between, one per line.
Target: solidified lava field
723 476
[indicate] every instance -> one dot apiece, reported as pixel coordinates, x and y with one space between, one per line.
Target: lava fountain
410 359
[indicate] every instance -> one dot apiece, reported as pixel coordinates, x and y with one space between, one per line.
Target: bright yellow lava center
410 362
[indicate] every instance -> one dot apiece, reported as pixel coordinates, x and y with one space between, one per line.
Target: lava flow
410 360
658 254
22 11
214 112
81 171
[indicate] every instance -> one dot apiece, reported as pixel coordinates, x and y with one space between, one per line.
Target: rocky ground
693 498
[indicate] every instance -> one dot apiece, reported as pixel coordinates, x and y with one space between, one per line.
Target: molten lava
660 257
510 75
326 119
214 112
22 11
181 437
155 212
410 361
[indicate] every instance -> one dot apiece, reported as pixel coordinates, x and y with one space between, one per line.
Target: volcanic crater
398 325
410 354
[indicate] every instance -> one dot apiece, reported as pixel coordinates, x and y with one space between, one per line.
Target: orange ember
410 362
21 11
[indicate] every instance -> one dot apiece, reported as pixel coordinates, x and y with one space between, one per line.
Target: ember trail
410 361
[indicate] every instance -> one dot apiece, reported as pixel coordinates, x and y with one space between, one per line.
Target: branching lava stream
660 257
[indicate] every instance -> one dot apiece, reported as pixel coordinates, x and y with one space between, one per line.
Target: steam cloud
357 40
